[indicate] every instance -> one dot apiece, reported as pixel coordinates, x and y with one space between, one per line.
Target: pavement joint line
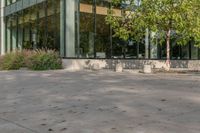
19 125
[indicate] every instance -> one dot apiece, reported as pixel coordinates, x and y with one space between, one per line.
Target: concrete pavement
98 102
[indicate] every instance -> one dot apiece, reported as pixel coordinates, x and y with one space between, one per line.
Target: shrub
12 61
44 60
34 60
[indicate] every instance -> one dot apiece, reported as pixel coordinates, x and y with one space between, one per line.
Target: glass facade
77 29
34 27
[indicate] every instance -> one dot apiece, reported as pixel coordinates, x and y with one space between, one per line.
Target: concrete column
147 44
2 28
70 28
8 39
67 28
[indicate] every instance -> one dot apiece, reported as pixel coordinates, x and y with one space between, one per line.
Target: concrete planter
147 69
96 67
119 67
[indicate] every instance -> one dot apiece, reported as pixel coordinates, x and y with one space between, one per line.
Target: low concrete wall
79 64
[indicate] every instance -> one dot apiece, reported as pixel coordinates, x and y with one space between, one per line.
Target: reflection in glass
102 37
175 49
14 32
20 30
141 45
185 52
86 48
194 51
153 45
131 51
35 27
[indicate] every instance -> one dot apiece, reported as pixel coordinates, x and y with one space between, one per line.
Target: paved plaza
99 102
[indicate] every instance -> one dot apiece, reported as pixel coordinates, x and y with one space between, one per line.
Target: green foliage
12 61
34 60
44 60
180 16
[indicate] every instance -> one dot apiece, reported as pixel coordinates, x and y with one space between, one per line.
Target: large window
95 38
53 24
118 45
194 51
131 49
86 25
185 52
34 27
102 36
175 49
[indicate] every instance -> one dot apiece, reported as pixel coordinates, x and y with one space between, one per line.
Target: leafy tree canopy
181 17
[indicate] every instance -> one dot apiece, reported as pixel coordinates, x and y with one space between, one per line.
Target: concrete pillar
70 28
147 44
8 39
2 28
67 46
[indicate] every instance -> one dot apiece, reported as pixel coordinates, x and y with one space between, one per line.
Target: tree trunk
168 62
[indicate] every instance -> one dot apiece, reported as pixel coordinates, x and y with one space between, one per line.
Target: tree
180 18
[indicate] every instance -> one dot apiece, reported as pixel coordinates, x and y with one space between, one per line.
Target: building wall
79 30
2 28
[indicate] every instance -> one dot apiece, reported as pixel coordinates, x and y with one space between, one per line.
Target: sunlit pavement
98 102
